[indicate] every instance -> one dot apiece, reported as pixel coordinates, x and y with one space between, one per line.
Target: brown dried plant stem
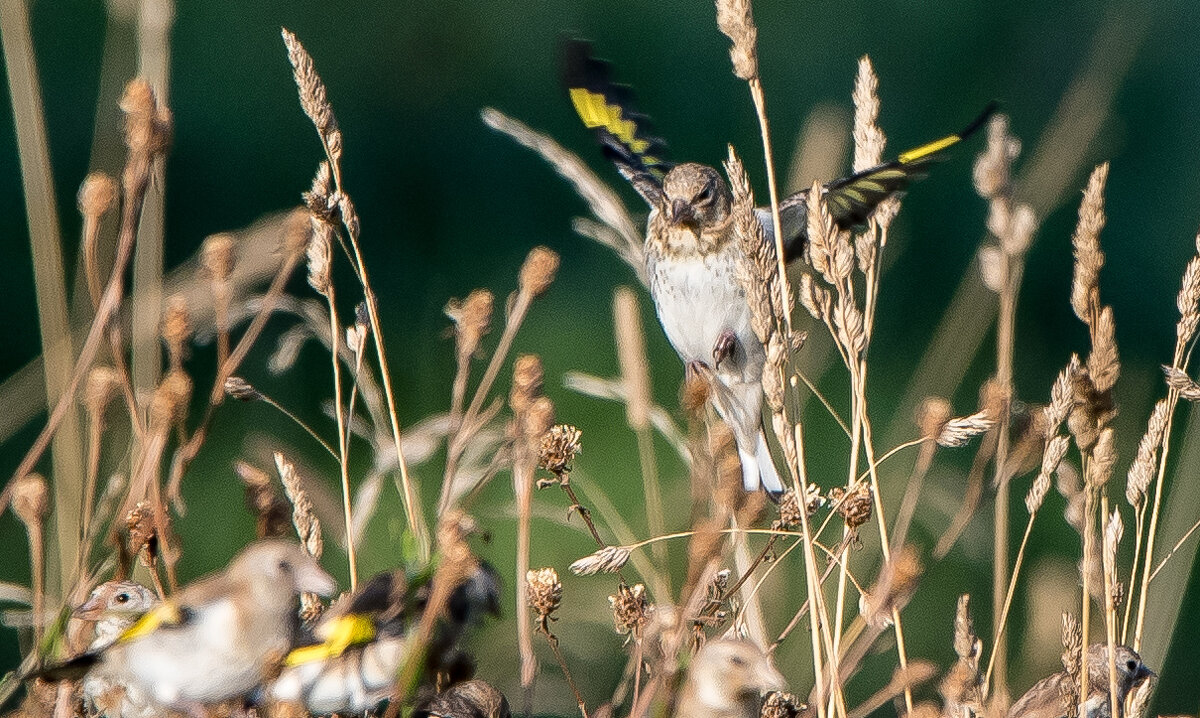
562 663
760 109
335 338
134 180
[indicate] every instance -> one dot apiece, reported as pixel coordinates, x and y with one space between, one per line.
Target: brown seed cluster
143 534
559 447
630 610
537 273
853 506
780 704
544 592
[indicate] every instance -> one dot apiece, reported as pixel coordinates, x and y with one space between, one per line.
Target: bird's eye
121 598
737 660
285 566
705 195
1131 665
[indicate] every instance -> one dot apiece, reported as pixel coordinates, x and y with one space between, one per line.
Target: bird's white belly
699 298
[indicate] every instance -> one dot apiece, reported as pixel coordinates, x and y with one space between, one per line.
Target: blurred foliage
447 206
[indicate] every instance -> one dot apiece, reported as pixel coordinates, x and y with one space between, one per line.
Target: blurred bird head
275 566
726 678
114 599
696 196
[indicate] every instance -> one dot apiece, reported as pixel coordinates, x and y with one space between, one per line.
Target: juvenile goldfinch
363 641
726 680
217 638
114 606
1044 700
470 699
693 257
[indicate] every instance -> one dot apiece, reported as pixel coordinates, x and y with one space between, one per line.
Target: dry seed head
312 90
240 389
320 199
854 506
780 704
993 268
1103 365
177 325
169 405
892 590
143 534
297 229
347 211
630 609
1178 380
1141 472
1037 492
538 271
1104 456
1062 396
1022 223
932 415
1113 531
821 231
101 387
527 382
559 447
356 339
216 256
609 559
97 195
139 105
815 299
869 140
538 420
993 166
308 528
1072 641
544 591
472 319
736 21
848 321
270 510
320 257
957 432
1188 301
30 500
631 357
1085 289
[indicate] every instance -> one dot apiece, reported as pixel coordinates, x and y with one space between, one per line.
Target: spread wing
607 108
852 199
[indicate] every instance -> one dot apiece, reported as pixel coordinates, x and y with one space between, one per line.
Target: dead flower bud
101 386
177 324
97 195
560 445
143 536
538 271
216 256
780 704
932 416
853 506
31 499
169 405
630 610
527 382
544 591
609 559
472 319
789 506
297 229
892 590
240 389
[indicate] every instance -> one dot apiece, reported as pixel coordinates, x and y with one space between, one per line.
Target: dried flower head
1085 287
321 198
320 257
736 21
869 140
853 506
537 273
932 415
297 229
1178 380
312 90
97 195
101 386
271 511
559 448
609 559
789 506
143 532
892 590
1188 302
240 389
308 528
30 499
992 168
472 319
780 704
544 592
216 256
1142 471
168 407
527 382
176 326
1072 661
630 610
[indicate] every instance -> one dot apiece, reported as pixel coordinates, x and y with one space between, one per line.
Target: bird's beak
311 578
1144 672
91 610
769 677
681 213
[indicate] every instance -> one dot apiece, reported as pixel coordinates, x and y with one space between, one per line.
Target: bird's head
1130 669
115 598
695 197
726 673
282 565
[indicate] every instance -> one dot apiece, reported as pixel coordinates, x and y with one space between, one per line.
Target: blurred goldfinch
216 638
726 679
362 642
1044 700
113 607
469 699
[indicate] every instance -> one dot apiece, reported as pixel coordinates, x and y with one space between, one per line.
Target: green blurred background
448 205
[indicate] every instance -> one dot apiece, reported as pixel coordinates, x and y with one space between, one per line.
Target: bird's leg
724 347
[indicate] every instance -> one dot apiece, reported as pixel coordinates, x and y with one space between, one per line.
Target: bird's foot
724 347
